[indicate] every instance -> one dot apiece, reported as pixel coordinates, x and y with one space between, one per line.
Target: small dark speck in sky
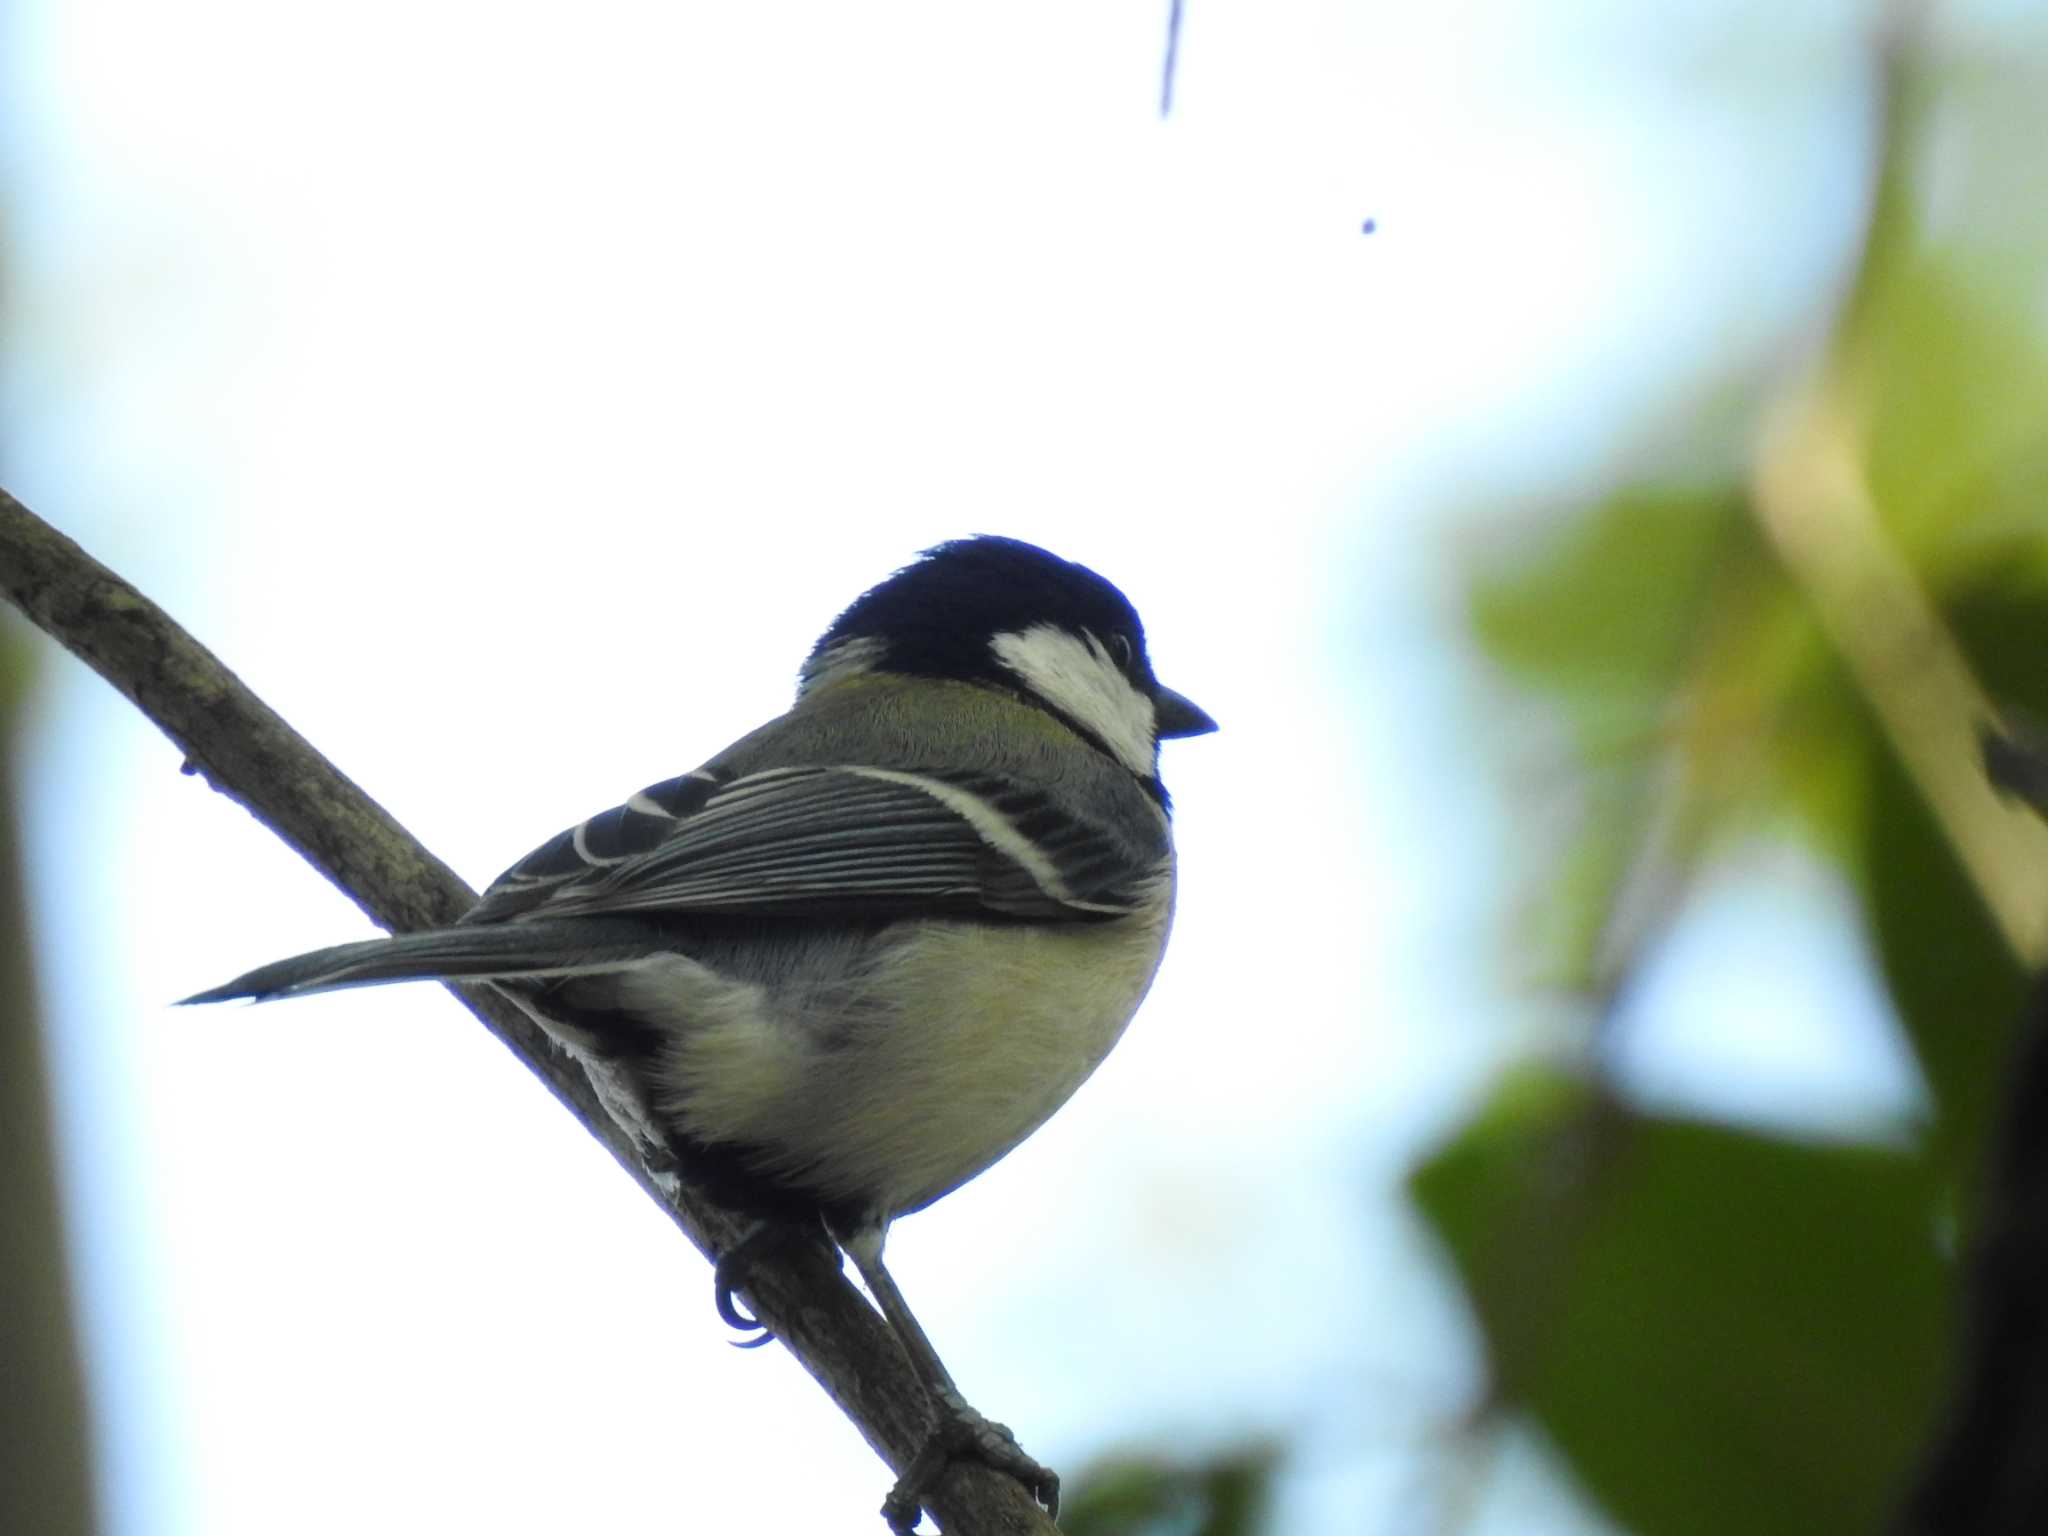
1368 226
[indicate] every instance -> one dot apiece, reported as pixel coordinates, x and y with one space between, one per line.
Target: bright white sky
511 395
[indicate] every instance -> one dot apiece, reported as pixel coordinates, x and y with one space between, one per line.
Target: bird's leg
959 1430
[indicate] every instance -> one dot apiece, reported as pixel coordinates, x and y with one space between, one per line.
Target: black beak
1178 715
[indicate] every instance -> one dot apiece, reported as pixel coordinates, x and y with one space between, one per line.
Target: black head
1011 615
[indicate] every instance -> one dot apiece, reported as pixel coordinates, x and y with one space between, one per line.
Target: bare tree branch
244 750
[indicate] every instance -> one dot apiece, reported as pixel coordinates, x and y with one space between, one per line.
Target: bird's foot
961 1431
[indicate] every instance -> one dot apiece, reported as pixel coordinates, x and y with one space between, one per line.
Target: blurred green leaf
2000 618
1700 694
1599 623
1604 618
1944 333
1956 984
1227 1496
1951 977
1721 1331
1955 382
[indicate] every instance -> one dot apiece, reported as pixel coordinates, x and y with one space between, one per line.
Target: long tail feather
549 947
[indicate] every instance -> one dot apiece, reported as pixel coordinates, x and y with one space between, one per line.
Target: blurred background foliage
1722 1328
45 1470
1150 1496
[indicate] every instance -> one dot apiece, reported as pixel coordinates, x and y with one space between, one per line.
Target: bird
857 957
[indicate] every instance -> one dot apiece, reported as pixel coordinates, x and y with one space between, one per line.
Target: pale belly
899 1106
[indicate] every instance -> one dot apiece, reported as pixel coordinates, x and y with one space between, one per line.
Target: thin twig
244 750
1172 60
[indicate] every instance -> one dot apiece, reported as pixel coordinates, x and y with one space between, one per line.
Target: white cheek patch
1075 675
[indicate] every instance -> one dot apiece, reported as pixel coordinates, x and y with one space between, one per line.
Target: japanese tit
866 950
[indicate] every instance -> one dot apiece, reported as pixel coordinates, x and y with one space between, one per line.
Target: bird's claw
960 1431
729 1275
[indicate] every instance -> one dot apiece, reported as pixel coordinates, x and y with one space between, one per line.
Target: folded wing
818 840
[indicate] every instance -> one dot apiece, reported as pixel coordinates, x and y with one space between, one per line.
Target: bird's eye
1120 649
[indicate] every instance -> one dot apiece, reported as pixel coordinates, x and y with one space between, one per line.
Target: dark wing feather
831 840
